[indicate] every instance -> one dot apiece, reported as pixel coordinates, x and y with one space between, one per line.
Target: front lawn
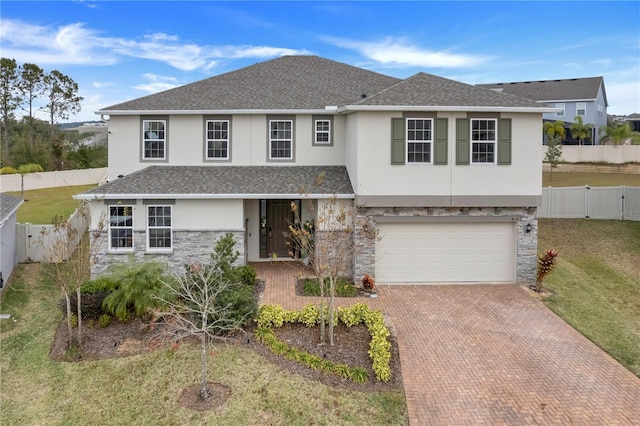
597 282
144 389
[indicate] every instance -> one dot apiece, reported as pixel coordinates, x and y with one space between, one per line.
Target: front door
279 216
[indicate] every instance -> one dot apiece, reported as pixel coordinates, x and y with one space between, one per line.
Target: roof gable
8 205
424 89
553 90
288 82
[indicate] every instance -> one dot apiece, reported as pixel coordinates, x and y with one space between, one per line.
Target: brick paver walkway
489 354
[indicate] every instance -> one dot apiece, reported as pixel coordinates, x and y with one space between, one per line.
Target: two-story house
443 177
584 97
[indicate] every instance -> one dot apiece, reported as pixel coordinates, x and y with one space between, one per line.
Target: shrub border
273 316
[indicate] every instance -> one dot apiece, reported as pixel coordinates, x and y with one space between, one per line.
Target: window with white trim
154 139
561 105
217 140
159 231
581 108
322 132
281 139
120 228
483 141
419 140
600 110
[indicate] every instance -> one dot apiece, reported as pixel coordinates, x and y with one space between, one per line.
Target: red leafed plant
367 282
546 264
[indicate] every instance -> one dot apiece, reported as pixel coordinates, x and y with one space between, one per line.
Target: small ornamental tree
195 309
69 255
556 133
329 247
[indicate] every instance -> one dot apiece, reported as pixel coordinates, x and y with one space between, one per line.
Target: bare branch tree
69 255
194 310
329 246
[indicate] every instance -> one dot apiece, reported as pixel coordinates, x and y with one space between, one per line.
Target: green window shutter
441 141
397 141
504 141
463 141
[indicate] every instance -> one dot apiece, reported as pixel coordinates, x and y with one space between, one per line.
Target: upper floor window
581 108
217 146
419 140
154 140
483 141
281 139
159 233
561 105
600 110
322 131
121 228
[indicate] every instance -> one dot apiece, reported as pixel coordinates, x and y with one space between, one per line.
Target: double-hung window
120 228
159 231
560 105
322 132
281 139
217 146
154 140
419 140
483 141
581 108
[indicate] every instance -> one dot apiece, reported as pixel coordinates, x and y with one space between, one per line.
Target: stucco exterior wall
248 143
375 175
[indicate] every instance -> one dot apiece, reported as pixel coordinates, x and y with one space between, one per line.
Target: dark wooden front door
279 216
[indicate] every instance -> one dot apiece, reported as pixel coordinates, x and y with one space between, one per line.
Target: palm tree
579 130
616 133
555 130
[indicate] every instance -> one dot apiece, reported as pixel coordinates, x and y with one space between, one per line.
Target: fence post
622 202
587 200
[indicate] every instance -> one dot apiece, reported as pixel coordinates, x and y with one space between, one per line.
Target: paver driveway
490 354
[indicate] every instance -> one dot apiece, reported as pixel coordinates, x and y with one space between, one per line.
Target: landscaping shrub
245 274
241 303
92 295
310 287
139 285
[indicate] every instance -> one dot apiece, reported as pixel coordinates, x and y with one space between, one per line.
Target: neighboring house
8 247
585 97
634 121
447 175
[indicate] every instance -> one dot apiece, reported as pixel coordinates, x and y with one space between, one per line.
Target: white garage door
445 252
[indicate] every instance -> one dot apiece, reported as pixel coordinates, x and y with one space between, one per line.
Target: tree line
25 90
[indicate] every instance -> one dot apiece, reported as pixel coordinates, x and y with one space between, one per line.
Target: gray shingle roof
8 205
288 82
552 90
251 181
429 90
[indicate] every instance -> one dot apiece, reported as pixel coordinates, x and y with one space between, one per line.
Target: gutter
98 197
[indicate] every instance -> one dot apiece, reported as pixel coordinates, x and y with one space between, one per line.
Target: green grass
144 389
596 284
591 179
42 205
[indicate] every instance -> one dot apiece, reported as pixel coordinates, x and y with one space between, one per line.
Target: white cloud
157 83
101 84
77 44
397 51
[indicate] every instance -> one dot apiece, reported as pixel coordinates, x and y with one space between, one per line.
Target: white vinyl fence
606 202
614 154
36 242
39 180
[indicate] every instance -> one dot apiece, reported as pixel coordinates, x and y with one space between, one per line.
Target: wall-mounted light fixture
528 228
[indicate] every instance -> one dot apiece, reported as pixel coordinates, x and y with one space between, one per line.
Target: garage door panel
446 252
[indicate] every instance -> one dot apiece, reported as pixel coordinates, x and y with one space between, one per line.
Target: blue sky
121 50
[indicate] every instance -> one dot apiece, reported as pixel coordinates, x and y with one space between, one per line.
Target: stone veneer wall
365 235
188 247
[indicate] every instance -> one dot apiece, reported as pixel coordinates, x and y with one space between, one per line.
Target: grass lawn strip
596 284
591 179
42 205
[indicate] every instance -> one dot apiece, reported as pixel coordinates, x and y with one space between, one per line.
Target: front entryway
276 215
